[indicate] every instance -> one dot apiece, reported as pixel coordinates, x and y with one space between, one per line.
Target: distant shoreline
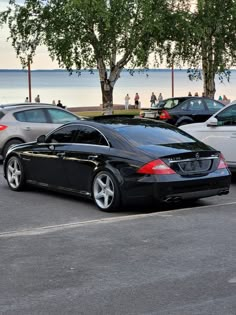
95 70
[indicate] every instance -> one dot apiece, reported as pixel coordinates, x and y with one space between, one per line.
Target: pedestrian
189 94
203 94
26 100
225 98
153 99
37 99
220 98
136 100
160 97
59 104
53 102
127 98
196 94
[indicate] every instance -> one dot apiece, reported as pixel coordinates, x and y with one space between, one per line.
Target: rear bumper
172 188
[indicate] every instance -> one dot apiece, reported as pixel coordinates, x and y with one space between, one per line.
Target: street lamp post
172 80
22 46
29 79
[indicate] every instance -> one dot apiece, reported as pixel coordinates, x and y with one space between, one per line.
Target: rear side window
213 105
150 135
1 114
32 116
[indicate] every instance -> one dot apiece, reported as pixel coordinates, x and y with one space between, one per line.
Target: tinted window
32 116
171 103
90 135
58 116
1 114
146 135
193 105
63 135
213 105
227 116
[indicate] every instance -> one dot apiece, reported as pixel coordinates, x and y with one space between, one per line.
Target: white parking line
59 227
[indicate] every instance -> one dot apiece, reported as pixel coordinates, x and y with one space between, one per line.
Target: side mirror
212 122
41 139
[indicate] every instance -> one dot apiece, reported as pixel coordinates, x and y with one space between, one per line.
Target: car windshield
154 135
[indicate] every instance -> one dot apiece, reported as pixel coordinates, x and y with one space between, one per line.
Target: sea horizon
84 90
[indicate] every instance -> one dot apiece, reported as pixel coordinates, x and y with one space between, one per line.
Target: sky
8 59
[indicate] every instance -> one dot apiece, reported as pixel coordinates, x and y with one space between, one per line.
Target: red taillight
156 167
3 127
222 163
164 115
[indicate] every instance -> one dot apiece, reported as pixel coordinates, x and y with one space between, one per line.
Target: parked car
180 111
22 123
119 161
219 131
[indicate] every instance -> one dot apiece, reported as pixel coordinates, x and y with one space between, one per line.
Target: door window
213 105
196 105
58 116
90 135
63 135
32 116
227 117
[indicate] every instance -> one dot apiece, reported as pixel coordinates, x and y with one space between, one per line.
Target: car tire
15 174
106 193
10 144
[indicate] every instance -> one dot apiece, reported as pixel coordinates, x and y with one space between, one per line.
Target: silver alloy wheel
14 173
103 190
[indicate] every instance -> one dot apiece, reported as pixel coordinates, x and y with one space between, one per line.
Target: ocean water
84 90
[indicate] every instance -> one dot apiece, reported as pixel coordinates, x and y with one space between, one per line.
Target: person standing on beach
127 98
37 99
26 100
136 100
153 99
160 97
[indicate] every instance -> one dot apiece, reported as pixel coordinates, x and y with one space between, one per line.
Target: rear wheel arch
184 121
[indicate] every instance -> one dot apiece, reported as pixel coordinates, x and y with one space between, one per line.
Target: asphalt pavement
61 255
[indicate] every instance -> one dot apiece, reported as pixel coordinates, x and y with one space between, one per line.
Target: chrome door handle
92 157
61 154
27 128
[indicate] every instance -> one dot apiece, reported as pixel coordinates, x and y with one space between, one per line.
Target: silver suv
21 123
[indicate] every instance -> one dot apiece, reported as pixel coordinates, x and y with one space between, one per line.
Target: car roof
117 121
23 103
13 107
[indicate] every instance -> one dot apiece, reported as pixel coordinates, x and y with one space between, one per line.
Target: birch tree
106 35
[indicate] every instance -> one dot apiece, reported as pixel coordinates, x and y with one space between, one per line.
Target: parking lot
61 255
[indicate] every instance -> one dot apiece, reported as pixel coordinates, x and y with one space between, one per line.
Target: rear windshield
154 135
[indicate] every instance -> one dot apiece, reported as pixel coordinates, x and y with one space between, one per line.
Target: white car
219 131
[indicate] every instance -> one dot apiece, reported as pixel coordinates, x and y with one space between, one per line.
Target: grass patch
116 112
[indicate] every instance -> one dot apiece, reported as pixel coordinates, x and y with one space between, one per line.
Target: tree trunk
208 70
107 97
107 85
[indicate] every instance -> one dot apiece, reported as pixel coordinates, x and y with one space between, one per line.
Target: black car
116 161
183 110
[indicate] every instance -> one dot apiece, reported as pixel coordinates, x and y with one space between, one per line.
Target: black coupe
180 111
116 161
